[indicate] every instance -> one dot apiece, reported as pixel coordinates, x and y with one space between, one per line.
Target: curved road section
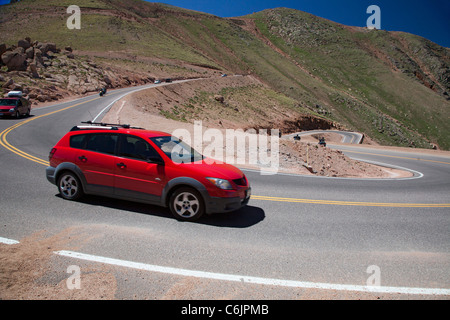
299 237
347 136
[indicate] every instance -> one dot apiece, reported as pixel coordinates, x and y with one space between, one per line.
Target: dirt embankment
27 273
143 109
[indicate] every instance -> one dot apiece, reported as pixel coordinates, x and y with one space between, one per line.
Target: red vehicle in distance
14 105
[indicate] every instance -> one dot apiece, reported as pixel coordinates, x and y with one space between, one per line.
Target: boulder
29 52
219 98
107 80
15 60
8 83
43 98
38 60
2 51
24 44
34 71
32 95
46 47
2 48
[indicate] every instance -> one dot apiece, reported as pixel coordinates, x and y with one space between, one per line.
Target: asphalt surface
297 228
347 136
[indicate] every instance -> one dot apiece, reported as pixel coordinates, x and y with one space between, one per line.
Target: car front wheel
69 186
186 204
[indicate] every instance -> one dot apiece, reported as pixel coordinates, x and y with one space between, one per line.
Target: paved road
300 236
347 136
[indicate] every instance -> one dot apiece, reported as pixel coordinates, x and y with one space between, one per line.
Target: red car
145 166
14 105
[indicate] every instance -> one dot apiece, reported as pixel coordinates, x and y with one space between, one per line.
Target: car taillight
52 152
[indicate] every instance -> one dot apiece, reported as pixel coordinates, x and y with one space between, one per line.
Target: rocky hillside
392 86
44 72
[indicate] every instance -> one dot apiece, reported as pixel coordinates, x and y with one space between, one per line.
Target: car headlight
12 110
221 183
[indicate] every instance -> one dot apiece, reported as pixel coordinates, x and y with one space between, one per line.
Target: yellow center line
353 203
25 155
398 157
21 153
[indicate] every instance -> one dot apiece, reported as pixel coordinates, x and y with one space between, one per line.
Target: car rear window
98 142
78 141
8 102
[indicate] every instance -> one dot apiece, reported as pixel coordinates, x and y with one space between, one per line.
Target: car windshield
8 102
177 150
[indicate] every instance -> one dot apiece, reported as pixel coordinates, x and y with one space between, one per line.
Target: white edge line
416 174
120 97
250 279
8 241
149 86
243 279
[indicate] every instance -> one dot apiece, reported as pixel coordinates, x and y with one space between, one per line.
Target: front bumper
7 113
221 205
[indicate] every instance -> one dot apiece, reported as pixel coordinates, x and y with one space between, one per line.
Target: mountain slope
391 86
394 84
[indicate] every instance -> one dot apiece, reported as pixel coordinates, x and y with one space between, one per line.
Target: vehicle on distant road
157 81
168 80
152 167
322 142
14 105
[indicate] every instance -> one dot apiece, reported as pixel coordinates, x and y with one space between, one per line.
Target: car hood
216 169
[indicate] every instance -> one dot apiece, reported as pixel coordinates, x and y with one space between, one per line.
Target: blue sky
429 19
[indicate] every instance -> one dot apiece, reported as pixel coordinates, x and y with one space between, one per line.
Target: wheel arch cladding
180 182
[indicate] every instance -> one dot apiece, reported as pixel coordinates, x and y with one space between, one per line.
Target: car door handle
82 158
121 165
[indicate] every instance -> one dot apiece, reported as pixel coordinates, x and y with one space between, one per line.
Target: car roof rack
103 125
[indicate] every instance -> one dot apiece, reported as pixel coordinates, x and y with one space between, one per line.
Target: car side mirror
156 160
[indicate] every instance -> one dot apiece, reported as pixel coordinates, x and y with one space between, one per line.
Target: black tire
69 186
17 115
186 204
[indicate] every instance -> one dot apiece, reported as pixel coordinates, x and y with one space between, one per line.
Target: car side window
78 141
104 143
136 148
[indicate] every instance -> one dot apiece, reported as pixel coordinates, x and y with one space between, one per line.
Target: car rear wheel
186 204
69 186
